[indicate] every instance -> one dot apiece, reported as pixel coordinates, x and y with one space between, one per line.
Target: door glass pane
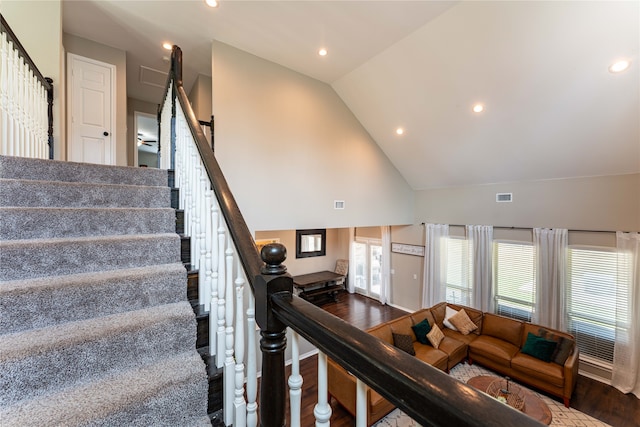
376 269
360 250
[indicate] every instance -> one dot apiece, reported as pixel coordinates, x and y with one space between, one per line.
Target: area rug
561 416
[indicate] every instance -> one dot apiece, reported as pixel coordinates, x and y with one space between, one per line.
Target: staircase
95 326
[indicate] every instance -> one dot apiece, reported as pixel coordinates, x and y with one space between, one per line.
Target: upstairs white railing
26 100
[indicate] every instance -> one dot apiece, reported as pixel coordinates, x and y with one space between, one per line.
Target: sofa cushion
448 314
475 315
462 322
495 349
564 347
404 343
402 326
456 335
434 357
438 312
502 327
551 373
421 330
539 347
382 332
435 336
424 314
456 350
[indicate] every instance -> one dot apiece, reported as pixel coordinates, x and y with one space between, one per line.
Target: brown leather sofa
496 343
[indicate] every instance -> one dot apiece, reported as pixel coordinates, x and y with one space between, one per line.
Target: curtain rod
531 228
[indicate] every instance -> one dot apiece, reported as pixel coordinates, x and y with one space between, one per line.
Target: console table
322 283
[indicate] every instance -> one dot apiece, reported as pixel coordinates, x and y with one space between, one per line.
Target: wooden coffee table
533 405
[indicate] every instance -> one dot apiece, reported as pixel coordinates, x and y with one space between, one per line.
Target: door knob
105 133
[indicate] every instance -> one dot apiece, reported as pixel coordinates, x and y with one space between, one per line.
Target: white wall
200 97
38 26
289 147
117 57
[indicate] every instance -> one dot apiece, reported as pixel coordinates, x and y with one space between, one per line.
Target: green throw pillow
563 349
421 329
539 347
404 343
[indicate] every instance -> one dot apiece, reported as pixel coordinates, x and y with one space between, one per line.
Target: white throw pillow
449 313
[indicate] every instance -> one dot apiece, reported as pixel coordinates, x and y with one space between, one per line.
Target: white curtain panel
435 264
481 249
551 270
386 264
351 284
626 354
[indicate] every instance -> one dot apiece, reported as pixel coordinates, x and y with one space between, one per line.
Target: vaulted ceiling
551 110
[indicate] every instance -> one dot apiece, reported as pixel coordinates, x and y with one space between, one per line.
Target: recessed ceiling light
211 3
478 108
619 66
399 131
323 52
167 46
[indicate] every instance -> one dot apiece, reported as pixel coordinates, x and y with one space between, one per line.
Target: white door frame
113 130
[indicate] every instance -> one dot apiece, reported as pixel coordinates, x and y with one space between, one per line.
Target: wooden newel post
274 279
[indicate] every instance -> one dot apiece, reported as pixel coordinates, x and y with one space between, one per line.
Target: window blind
514 279
459 267
596 300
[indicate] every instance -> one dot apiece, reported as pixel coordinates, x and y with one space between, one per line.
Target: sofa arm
571 366
342 386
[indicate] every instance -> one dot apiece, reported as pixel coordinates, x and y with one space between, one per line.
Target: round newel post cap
273 255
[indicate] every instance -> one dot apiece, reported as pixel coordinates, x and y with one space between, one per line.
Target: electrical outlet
415 277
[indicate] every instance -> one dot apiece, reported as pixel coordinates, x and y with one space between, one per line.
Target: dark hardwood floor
591 397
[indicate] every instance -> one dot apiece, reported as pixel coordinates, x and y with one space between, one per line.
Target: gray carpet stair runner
95 326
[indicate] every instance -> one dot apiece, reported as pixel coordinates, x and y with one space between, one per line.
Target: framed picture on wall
403 248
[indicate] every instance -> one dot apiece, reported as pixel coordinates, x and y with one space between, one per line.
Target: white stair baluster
239 404
229 363
221 296
361 403
252 378
295 381
322 410
212 270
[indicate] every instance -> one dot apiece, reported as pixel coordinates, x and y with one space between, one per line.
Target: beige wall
117 57
607 203
134 105
337 248
200 97
289 147
38 26
595 203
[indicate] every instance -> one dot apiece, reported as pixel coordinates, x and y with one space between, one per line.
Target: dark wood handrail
242 238
426 394
4 27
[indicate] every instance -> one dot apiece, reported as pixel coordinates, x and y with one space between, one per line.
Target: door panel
91 97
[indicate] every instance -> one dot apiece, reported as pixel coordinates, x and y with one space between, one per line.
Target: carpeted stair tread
53 170
26 259
46 301
31 361
31 193
44 223
163 393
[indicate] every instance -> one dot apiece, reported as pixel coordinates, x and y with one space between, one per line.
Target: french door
368 268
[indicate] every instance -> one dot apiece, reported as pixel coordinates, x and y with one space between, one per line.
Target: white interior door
91 101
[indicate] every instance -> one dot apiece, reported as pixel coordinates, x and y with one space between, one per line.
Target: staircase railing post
274 279
50 116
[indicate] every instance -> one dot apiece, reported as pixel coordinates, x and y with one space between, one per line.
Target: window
514 279
368 269
594 301
459 268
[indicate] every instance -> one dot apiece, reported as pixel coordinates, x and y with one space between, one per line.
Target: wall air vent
338 204
504 197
